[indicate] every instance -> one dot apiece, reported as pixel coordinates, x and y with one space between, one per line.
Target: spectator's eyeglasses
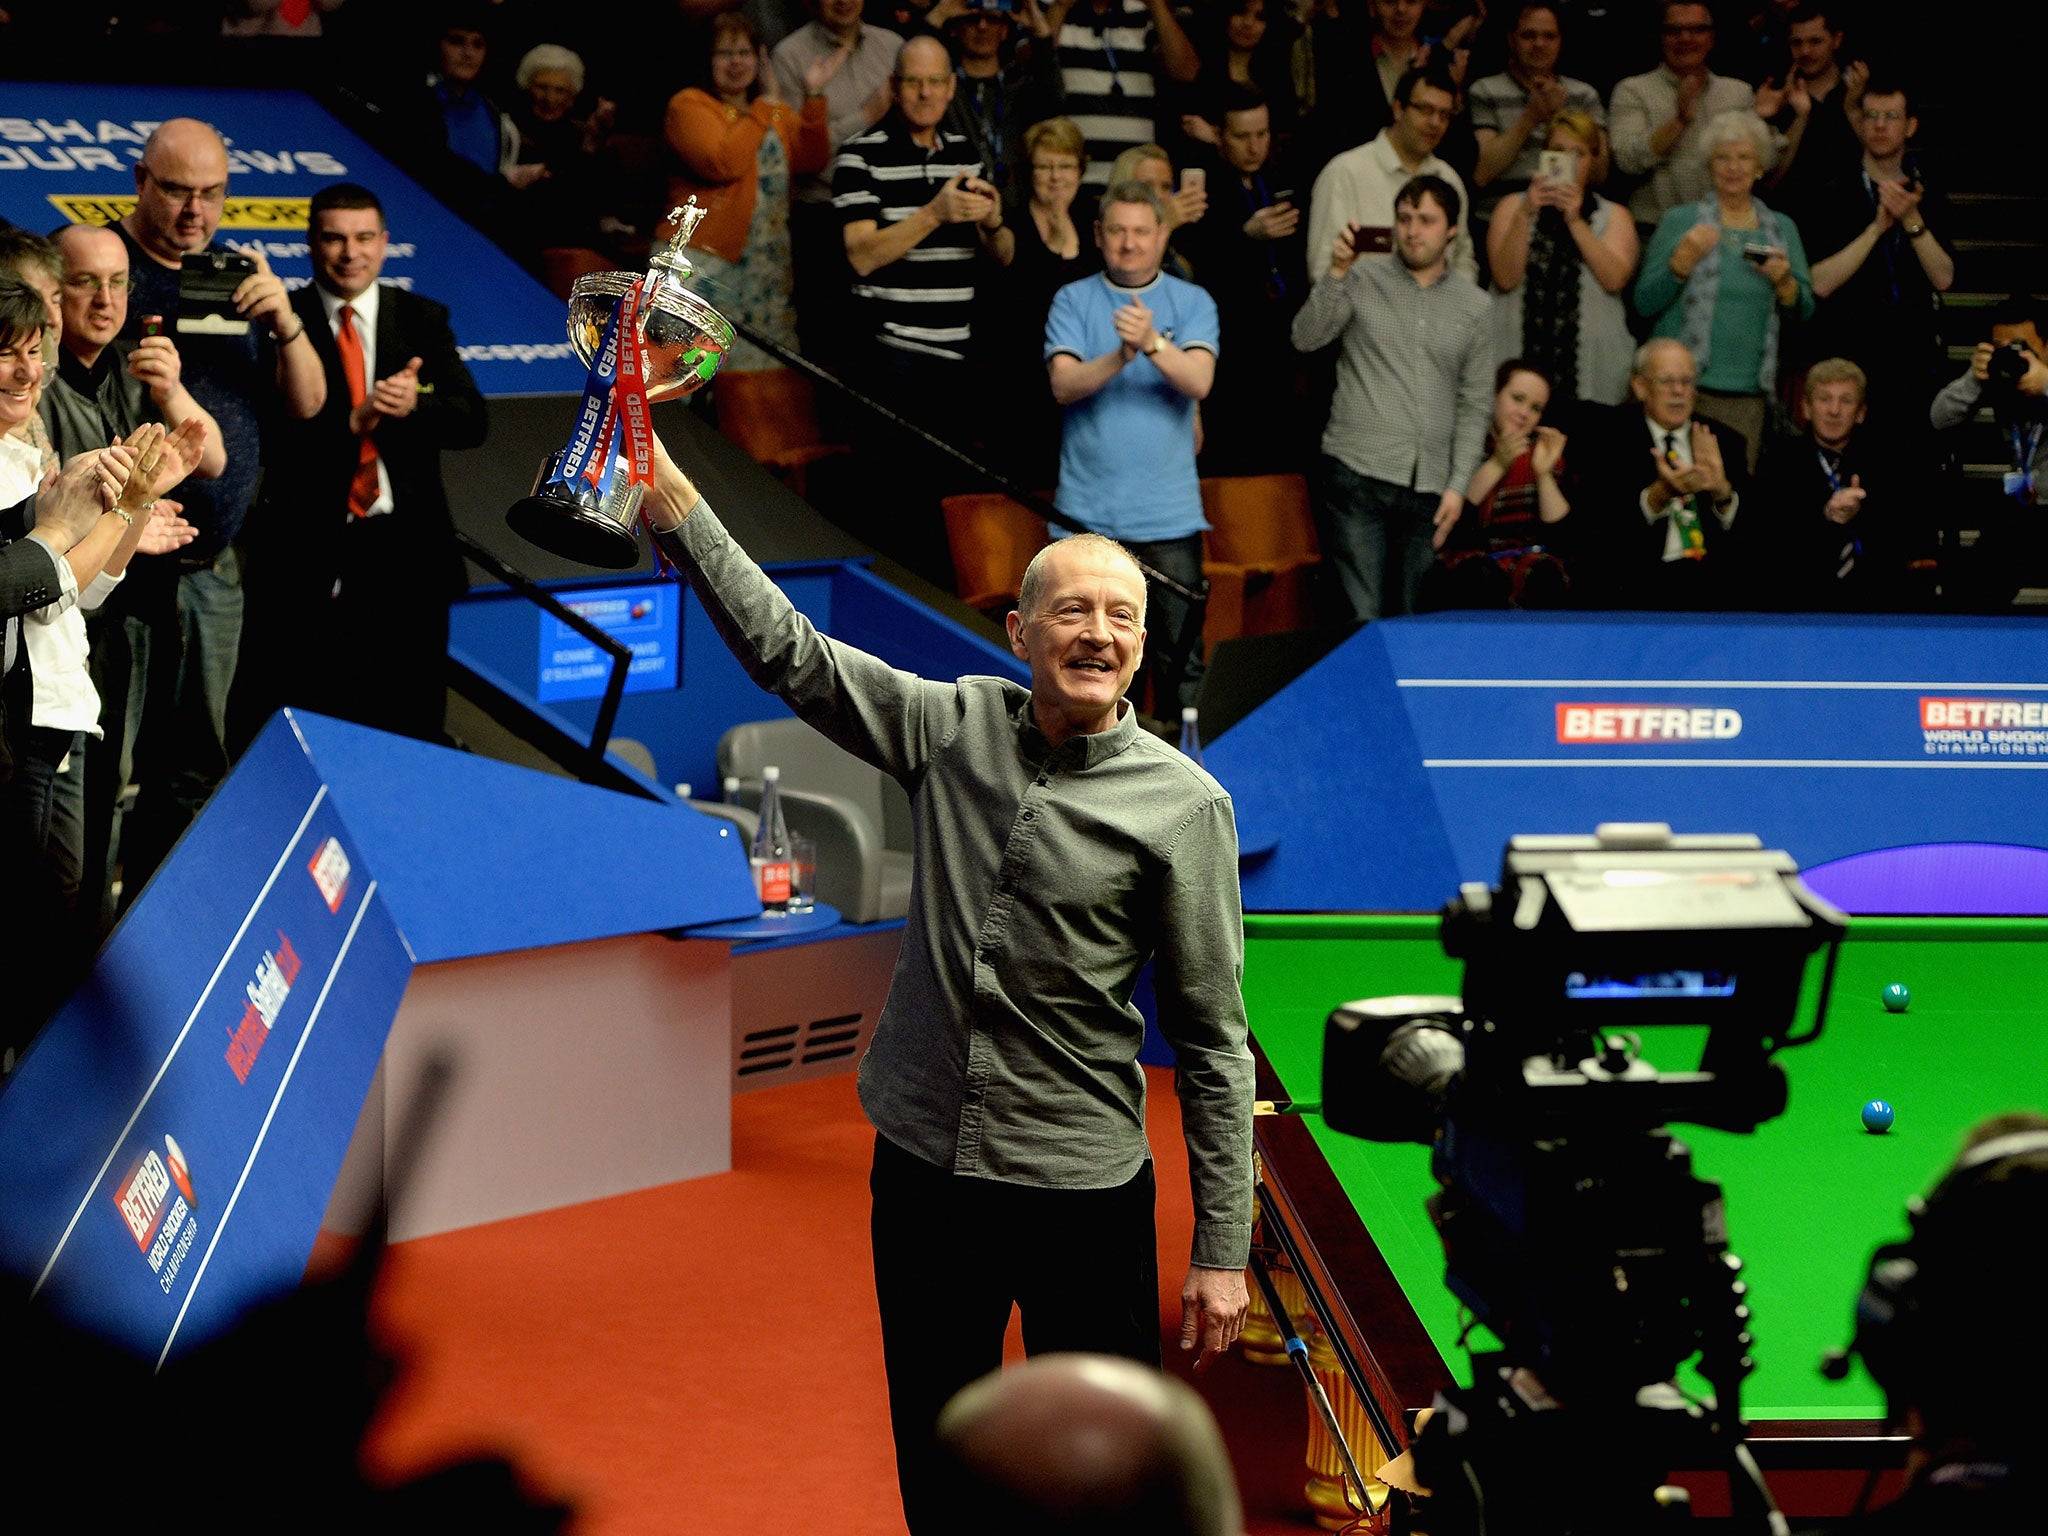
88 282
1884 117
1672 380
178 192
924 82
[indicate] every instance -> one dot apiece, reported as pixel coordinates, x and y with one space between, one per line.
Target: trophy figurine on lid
646 338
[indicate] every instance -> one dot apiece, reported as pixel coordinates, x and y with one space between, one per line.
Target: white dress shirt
1358 187
1679 442
365 306
64 698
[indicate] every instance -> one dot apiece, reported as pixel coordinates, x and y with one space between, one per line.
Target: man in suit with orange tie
350 581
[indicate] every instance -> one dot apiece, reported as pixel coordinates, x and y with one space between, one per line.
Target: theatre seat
858 816
993 538
771 414
1259 554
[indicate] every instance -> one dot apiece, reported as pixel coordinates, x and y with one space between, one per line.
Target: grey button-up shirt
1415 378
1045 878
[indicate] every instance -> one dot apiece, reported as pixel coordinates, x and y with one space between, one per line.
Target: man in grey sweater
1414 394
1059 848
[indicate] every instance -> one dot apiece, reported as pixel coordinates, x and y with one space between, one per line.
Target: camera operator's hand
1980 362
1343 251
2035 380
155 363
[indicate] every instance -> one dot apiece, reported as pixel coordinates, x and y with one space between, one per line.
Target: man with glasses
917 210
1658 121
181 187
1662 493
1356 190
106 387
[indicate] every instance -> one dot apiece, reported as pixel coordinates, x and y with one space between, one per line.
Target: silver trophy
684 342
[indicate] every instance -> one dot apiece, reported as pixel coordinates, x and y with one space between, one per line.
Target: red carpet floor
704 1357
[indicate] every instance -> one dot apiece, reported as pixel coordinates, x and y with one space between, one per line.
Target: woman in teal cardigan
1721 275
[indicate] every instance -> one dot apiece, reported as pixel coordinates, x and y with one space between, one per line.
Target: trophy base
574 533
580 525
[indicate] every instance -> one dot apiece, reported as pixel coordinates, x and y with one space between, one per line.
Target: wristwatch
1915 231
1158 341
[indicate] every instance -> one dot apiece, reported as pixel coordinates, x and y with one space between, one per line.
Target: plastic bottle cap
770 774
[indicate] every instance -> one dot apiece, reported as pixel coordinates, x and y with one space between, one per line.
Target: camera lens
2008 364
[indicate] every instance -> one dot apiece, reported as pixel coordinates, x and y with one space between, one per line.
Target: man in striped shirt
915 210
1109 70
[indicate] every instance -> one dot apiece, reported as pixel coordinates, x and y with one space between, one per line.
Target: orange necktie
362 489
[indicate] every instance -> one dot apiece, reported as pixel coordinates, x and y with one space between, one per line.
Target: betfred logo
1579 724
141 1197
1984 727
266 995
330 869
1982 714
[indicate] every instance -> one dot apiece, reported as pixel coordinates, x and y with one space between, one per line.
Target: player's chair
1259 554
858 816
772 416
993 538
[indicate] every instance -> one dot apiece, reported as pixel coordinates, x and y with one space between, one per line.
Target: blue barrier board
646 618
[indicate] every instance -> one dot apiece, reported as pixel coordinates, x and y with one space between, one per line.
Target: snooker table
1809 1195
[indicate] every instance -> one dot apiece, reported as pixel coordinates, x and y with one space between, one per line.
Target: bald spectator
104 388
1088 1444
1658 120
181 186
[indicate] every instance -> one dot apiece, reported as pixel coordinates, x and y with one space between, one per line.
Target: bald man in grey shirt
1059 849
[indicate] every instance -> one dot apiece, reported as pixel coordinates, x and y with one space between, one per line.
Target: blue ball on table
1896 997
1877 1117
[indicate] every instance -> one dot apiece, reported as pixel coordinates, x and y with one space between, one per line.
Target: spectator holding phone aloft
1358 187
1561 255
1721 274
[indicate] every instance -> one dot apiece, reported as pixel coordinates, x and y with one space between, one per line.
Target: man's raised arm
885 717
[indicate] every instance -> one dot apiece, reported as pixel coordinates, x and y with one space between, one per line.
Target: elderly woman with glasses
1723 274
736 146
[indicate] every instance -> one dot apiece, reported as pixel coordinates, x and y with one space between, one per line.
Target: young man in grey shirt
1059 848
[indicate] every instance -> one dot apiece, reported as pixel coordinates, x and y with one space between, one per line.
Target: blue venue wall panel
168 1145
497 633
1828 737
68 154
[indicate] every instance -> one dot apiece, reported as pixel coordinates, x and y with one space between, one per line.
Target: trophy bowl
685 341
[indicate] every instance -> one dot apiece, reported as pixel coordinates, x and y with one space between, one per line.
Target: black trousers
953 1254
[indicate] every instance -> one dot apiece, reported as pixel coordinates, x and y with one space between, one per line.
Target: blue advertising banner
168 1145
68 153
646 618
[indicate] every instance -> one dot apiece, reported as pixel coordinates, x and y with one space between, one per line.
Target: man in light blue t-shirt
1130 351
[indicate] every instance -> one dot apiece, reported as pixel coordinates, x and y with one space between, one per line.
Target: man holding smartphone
181 188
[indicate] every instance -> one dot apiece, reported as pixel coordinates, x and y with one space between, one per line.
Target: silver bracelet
122 513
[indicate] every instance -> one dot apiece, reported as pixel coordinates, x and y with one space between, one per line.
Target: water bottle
1190 735
729 787
770 856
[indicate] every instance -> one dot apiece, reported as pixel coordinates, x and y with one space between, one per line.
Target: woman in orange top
739 144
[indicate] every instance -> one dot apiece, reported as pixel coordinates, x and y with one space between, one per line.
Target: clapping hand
398 394
1770 98
1691 247
1507 448
820 73
1546 100
166 531
1897 201
1199 129
1134 327
1846 502
1547 451
1706 458
963 200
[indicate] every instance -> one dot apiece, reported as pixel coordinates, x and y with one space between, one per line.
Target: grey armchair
858 816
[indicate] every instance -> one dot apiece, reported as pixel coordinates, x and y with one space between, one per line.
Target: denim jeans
1173 636
182 751
1375 542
